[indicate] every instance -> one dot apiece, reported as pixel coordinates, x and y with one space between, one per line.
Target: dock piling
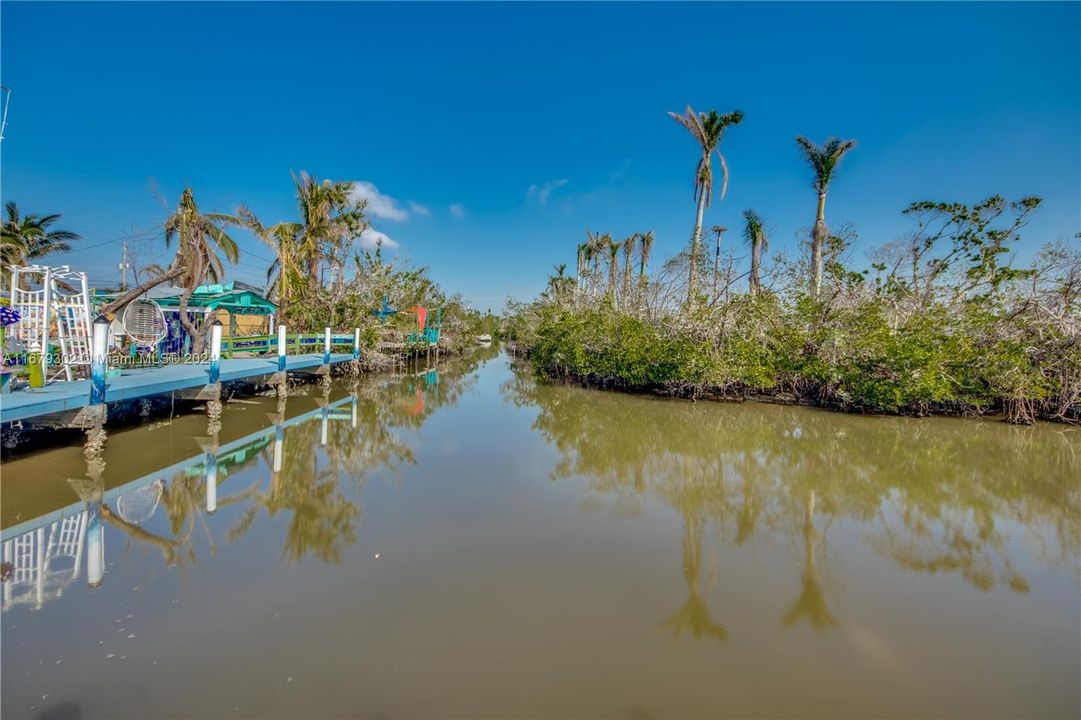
281 348
215 351
99 360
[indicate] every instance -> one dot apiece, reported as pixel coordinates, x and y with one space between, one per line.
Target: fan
144 322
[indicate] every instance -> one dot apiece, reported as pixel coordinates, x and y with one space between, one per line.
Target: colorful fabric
8 316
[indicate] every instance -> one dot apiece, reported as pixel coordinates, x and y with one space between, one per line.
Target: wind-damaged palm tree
646 239
628 252
288 273
707 129
754 232
200 238
823 159
612 248
579 269
596 245
28 237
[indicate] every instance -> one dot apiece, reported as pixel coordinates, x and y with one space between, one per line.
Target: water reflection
300 466
932 496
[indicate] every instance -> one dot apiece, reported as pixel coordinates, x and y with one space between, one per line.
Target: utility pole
124 265
717 257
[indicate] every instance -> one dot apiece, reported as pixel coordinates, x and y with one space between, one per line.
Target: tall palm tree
588 255
28 237
823 159
330 219
754 232
628 252
612 247
718 231
200 238
578 270
597 244
707 129
288 273
646 240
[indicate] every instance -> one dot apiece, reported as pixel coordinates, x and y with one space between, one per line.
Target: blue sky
454 111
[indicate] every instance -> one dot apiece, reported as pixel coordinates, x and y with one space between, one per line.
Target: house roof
238 298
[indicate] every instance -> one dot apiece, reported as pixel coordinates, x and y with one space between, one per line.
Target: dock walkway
136 383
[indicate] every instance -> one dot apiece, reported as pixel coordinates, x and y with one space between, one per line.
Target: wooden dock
132 384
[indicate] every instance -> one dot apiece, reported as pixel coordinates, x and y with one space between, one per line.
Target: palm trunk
696 248
313 270
135 292
189 326
642 267
613 273
756 259
818 237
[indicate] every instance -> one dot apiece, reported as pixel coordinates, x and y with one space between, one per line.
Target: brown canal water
470 543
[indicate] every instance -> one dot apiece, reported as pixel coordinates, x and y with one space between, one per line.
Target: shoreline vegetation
943 320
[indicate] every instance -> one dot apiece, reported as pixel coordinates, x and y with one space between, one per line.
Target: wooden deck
27 404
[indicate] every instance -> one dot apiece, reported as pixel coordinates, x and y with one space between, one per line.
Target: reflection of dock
44 561
44 555
60 397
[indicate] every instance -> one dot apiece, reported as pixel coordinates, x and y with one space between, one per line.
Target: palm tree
597 244
329 219
587 259
646 240
628 251
707 129
755 234
823 159
718 231
29 237
613 264
288 273
200 237
558 283
578 270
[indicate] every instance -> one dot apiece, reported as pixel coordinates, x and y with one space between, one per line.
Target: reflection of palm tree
693 616
811 602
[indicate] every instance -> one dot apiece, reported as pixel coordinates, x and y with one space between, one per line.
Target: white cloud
457 210
371 239
417 209
543 192
378 204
